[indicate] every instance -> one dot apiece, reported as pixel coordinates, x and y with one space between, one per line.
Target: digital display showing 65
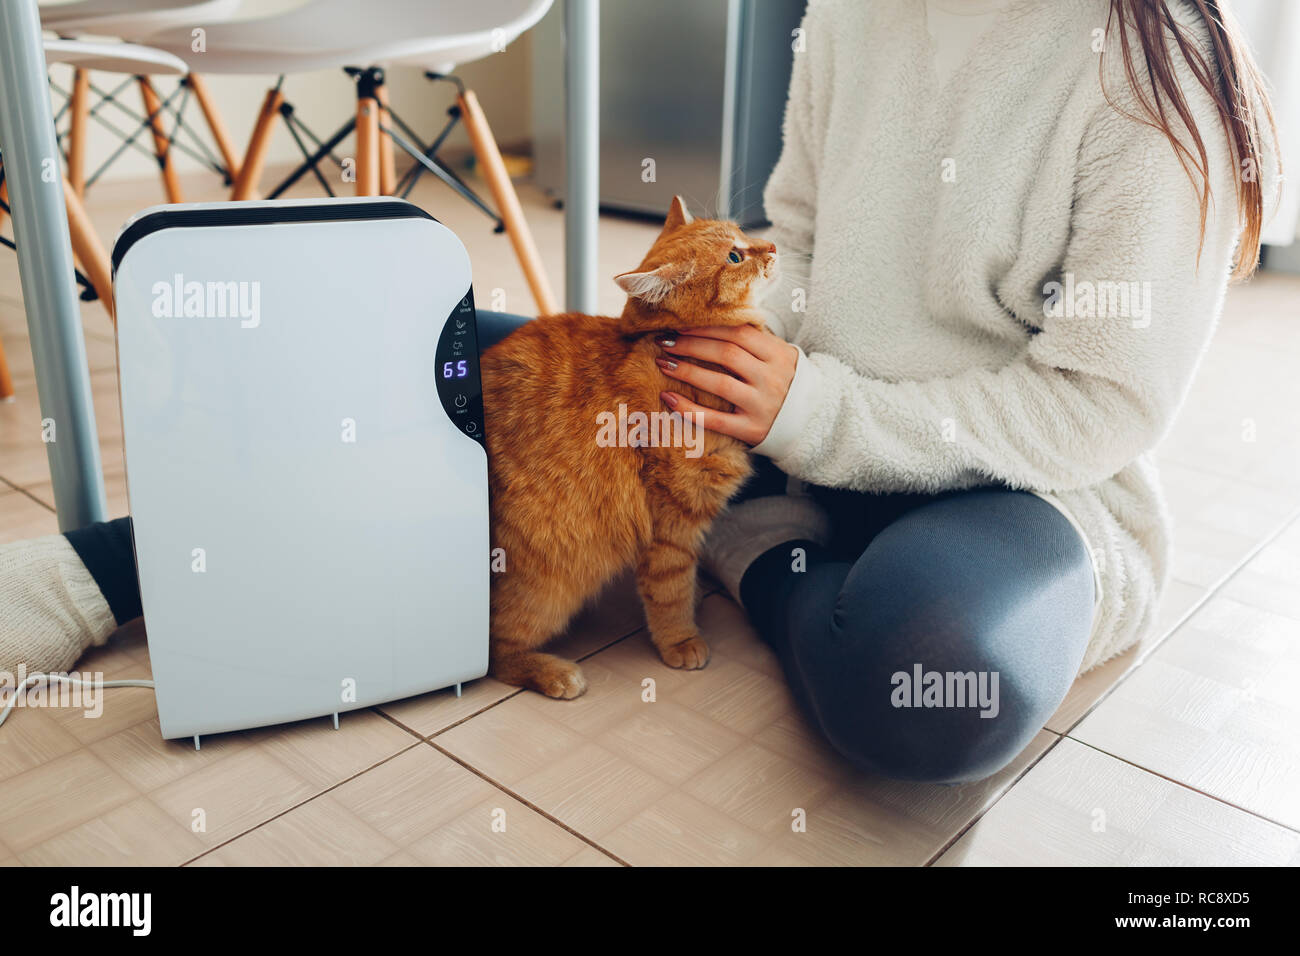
455 369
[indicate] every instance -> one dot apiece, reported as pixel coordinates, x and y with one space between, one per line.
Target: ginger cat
571 508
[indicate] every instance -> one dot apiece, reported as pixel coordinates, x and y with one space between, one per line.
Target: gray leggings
984 595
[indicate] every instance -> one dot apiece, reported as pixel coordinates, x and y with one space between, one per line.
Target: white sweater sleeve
790 197
1088 394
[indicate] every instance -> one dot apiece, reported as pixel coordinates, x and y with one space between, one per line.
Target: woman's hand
761 367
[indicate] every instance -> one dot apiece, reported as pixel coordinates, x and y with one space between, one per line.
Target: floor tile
1080 807
58 796
412 794
137 833
22 517
232 795
321 832
501 831
1215 708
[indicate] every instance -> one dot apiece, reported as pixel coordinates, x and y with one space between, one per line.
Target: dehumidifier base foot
196 741
458 690
336 720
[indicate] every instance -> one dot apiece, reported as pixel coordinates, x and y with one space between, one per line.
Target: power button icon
461 401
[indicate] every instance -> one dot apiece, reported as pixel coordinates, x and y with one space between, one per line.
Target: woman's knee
904 706
954 638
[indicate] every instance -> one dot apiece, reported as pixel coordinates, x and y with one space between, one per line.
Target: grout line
421 739
303 803
25 493
1187 615
1186 786
393 720
996 800
528 803
520 690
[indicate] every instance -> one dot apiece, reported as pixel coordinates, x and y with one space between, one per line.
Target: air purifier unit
303 426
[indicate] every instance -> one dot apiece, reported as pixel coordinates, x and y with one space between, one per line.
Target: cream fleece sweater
1001 274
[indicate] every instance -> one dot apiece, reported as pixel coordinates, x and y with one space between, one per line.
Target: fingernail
670 398
666 363
668 342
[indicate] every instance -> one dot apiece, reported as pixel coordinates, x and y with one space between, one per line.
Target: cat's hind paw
690 654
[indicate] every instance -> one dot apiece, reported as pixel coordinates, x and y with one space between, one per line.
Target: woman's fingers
724 423
729 355
718 383
756 341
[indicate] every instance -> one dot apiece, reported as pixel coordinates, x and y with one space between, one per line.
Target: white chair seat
434 34
131 19
114 58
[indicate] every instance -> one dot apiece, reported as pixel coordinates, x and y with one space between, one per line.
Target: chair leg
216 125
79 113
367 146
387 160
6 379
88 249
503 191
250 170
161 144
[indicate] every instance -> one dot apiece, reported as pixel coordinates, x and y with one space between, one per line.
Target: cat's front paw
562 680
690 654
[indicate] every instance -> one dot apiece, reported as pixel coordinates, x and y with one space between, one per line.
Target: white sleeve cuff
800 404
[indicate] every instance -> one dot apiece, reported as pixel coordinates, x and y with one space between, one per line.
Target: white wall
323 100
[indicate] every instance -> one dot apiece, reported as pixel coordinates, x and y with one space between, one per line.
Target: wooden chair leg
387 161
250 170
88 249
216 125
161 145
493 169
79 113
367 146
6 379
4 198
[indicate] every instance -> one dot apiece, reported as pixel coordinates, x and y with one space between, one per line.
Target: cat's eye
735 255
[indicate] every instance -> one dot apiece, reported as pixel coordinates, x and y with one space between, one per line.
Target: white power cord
64 679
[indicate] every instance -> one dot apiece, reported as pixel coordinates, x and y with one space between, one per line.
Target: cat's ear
652 287
678 214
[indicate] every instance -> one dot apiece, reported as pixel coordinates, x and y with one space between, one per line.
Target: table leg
582 152
35 182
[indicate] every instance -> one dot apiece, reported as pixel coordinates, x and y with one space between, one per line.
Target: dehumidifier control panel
456 370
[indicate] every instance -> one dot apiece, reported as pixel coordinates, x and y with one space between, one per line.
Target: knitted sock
51 609
749 528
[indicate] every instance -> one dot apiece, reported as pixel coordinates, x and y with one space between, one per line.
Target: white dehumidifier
303 427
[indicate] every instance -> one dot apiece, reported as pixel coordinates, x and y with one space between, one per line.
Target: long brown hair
1232 80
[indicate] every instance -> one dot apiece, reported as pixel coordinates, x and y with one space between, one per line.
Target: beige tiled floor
1182 750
